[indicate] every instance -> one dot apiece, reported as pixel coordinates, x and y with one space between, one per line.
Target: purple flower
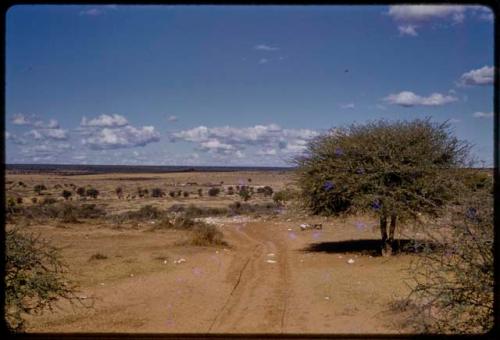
471 213
339 151
328 185
376 205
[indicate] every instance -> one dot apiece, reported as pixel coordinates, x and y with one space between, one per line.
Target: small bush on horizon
39 188
92 192
157 193
81 191
66 194
212 192
200 192
185 194
119 192
245 193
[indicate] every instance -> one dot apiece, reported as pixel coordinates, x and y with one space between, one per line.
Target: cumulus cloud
45 149
408 29
481 76
408 16
105 120
121 137
14 139
21 119
426 12
482 114
54 134
263 47
172 119
409 99
229 140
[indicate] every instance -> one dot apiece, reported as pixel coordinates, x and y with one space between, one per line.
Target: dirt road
263 283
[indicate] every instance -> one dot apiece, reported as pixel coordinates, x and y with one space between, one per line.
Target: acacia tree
395 170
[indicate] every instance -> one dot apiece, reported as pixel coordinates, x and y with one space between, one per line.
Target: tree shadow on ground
372 246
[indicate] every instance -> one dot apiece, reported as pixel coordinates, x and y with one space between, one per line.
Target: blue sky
236 85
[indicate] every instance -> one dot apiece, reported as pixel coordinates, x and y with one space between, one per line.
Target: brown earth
271 278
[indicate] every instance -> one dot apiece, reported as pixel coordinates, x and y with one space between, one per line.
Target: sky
236 85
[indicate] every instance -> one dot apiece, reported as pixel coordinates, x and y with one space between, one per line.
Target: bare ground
271 278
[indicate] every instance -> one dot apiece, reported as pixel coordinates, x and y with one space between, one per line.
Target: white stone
350 261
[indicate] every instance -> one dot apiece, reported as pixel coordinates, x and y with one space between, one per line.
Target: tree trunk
392 228
386 247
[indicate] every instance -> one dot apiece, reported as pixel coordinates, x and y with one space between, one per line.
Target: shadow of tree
372 246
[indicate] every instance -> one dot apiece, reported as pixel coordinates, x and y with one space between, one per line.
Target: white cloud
92 12
105 120
481 76
172 119
263 47
455 121
121 137
54 134
409 15
20 119
482 114
229 140
426 12
408 99
408 29
263 61
45 149
347 106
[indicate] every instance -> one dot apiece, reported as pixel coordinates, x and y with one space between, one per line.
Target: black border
494 333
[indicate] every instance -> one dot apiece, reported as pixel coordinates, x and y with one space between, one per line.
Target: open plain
269 277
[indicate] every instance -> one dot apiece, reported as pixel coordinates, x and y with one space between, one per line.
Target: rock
327 298
270 254
165 262
350 261
179 261
289 229
271 261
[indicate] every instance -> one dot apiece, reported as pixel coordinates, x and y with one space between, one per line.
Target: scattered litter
165 262
350 261
304 226
152 222
289 229
179 261
270 254
327 298
83 297
271 261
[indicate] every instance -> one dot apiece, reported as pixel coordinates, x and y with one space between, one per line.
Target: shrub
179 193
66 194
48 201
283 196
39 188
230 191
92 192
171 194
19 200
200 192
21 184
206 235
266 191
185 194
157 192
393 170
249 180
35 278
245 193
57 186
81 191
34 200
119 192
452 288
212 192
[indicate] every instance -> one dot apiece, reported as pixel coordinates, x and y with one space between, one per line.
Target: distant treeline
78 169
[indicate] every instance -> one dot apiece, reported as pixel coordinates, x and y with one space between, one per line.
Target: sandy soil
271 278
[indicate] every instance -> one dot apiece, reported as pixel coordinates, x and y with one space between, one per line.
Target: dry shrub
452 286
206 235
98 256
